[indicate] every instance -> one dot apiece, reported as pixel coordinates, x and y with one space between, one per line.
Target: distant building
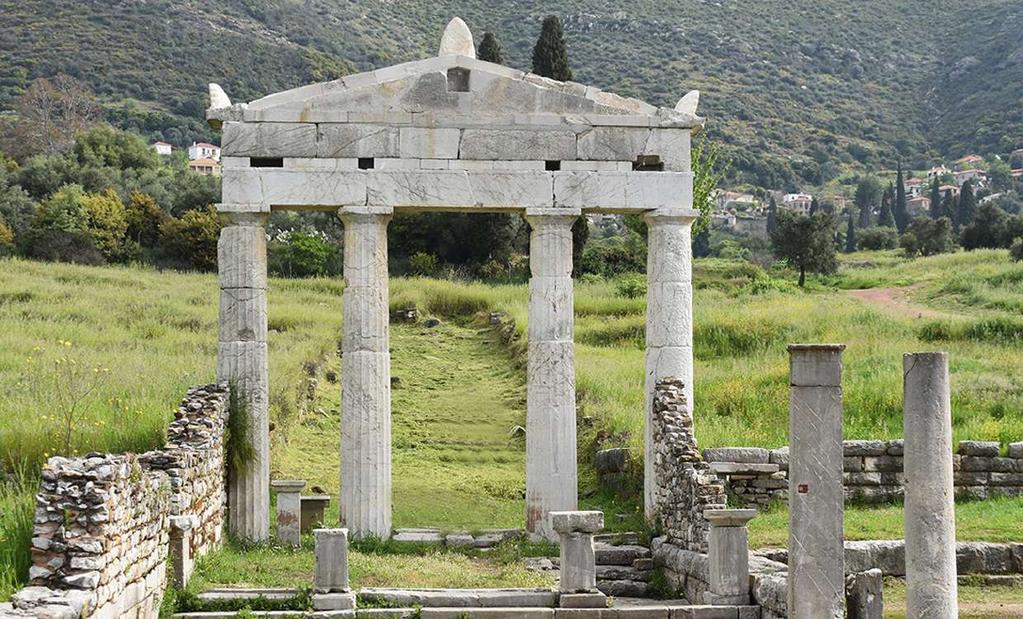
755 226
162 148
953 188
722 220
205 166
919 205
797 202
1017 173
978 176
968 162
726 200
914 187
203 150
937 172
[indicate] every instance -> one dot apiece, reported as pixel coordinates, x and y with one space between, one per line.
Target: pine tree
490 49
901 210
935 199
850 234
885 218
966 210
550 55
772 216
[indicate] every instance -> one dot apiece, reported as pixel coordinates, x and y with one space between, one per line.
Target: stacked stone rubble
755 477
101 532
685 484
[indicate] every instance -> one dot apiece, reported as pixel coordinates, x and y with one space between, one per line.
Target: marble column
365 376
669 321
816 498
242 362
551 476
931 587
728 555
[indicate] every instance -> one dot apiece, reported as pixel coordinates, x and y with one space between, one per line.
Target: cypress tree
935 199
850 234
901 211
550 54
967 208
490 49
814 205
886 218
772 216
948 206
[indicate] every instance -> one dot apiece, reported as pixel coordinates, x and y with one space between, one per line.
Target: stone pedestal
289 510
181 558
816 499
313 508
931 587
366 376
669 320
331 560
242 362
578 585
551 476
728 553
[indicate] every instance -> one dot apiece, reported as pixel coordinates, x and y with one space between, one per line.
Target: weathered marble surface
931 585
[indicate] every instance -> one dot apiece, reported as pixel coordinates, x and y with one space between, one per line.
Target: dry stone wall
754 477
102 522
685 484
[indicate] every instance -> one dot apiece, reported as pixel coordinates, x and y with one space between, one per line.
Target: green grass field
461 390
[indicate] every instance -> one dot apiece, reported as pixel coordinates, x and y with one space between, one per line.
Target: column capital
234 218
671 216
365 213
552 216
225 208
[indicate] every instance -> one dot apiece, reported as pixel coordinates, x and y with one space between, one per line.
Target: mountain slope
792 92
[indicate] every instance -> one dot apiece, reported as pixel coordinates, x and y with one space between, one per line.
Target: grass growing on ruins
976 601
461 390
993 520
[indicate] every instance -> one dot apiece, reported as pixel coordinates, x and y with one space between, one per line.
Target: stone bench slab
463 598
743 468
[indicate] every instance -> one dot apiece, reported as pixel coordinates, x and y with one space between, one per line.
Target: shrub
615 256
61 246
422 263
631 286
878 238
107 223
6 238
301 254
192 238
144 218
928 237
1016 249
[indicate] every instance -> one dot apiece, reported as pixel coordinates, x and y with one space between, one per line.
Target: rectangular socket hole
552 166
365 163
458 79
266 162
648 163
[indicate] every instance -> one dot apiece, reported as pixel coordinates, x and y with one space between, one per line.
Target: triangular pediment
451 84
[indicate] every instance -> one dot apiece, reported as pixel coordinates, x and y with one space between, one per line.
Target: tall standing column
669 321
242 362
816 498
365 376
931 587
551 476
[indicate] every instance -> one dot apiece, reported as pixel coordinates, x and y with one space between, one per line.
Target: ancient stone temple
448 133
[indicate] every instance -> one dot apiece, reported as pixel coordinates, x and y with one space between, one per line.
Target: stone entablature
100 538
872 471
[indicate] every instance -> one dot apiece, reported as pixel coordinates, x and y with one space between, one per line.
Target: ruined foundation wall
101 533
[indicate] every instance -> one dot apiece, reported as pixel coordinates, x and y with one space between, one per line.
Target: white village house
203 150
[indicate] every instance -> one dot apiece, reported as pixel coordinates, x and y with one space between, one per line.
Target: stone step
228 594
622 588
462 598
626 537
625 554
622 572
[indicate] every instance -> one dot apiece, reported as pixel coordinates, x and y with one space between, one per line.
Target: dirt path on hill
896 300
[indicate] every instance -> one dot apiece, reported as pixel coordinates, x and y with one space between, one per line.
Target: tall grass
17 505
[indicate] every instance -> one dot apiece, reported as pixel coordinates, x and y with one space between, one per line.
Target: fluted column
551 476
365 376
242 361
669 321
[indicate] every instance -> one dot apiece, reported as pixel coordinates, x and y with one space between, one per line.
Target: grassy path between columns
455 400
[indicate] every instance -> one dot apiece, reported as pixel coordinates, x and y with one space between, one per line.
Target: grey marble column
816 497
365 376
669 321
931 586
242 362
551 476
